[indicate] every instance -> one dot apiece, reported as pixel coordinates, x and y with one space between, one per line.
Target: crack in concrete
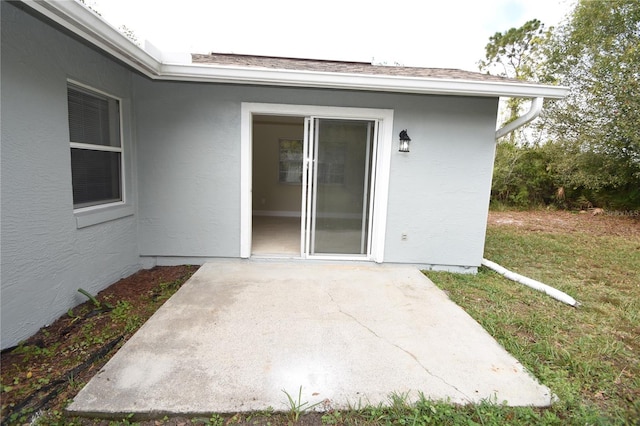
400 348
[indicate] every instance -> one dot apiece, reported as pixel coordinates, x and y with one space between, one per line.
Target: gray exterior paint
45 258
439 192
182 145
189 162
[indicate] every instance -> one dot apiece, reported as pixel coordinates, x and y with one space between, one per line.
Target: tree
517 53
590 149
597 54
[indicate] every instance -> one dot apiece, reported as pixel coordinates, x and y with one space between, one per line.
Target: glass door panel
341 157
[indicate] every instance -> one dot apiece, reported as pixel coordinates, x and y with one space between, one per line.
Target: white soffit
81 21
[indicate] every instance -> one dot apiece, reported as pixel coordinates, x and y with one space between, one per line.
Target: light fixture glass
404 141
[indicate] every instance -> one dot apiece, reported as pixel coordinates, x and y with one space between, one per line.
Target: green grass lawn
589 356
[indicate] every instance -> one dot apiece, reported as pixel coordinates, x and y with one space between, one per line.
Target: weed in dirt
122 314
216 420
297 407
96 303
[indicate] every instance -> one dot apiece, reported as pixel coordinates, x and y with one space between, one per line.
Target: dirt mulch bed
593 222
48 369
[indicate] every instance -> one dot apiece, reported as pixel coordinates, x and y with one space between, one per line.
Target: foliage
587 149
597 54
521 176
515 51
557 174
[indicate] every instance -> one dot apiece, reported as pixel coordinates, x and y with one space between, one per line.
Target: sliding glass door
338 182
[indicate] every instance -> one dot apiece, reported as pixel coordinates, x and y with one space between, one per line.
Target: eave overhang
76 18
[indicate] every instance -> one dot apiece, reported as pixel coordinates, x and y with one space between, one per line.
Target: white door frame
383 163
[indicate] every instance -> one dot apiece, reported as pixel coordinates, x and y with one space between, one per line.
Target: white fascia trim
332 80
78 19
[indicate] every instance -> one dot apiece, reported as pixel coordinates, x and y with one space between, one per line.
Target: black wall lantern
404 141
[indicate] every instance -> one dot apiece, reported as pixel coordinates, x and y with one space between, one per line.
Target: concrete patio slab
239 332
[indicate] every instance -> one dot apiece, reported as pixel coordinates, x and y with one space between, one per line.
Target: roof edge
81 21
353 81
78 19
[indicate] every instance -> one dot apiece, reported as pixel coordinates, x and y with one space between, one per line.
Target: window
96 147
290 161
330 162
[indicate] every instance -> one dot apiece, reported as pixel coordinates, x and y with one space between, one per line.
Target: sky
427 33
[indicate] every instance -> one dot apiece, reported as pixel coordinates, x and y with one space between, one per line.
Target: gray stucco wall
45 258
439 192
182 151
189 168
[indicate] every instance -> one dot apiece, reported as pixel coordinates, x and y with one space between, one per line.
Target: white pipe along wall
534 111
536 285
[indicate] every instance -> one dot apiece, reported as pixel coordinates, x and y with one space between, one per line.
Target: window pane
93 119
95 176
290 164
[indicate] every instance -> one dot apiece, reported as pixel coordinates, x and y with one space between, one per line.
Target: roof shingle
272 62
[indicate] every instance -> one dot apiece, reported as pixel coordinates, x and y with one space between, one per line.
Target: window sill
100 215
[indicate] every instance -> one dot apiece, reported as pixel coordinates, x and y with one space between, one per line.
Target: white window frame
99 213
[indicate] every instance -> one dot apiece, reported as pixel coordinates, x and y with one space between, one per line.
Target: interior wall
270 197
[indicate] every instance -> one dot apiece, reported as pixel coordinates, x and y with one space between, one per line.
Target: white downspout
534 111
536 285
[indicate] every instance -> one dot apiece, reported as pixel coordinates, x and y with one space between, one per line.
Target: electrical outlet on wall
403 237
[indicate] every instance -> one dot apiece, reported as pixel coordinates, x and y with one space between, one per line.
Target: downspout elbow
534 112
